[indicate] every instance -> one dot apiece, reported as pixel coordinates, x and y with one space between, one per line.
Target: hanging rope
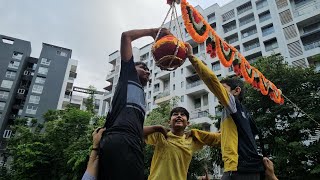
296 106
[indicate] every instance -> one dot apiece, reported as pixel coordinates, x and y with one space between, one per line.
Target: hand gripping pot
169 53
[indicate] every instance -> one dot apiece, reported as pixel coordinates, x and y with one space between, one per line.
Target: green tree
286 129
56 150
89 103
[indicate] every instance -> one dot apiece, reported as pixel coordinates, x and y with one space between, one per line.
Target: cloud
91 29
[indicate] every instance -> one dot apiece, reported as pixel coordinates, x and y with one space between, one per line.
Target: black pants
240 176
121 158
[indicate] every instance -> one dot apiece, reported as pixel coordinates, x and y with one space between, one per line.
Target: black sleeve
128 71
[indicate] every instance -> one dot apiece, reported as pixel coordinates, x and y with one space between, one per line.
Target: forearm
207 138
147 130
129 36
92 167
211 80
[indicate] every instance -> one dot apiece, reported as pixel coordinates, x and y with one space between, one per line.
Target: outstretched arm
210 79
207 138
129 36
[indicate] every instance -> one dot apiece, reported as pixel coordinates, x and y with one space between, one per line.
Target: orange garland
257 79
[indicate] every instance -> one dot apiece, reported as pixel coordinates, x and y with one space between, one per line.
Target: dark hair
163 32
141 63
181 110
233 83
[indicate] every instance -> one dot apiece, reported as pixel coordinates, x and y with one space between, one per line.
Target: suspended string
296 106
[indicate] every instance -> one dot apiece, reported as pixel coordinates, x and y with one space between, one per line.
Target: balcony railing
194 84
227 29
246 21
200 114
306 8
251 46
265 17
268 31
163 94
249 33
312 45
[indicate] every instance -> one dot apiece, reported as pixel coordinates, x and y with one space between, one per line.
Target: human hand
189 49
163 130
163 32
96 136
269 172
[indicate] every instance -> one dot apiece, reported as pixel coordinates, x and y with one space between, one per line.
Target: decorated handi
201 31
169 52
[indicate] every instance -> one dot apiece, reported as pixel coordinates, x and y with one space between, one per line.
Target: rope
178 24
296 106
162 25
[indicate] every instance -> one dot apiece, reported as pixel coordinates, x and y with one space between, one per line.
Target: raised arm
147 130
207 138
209 78
129 36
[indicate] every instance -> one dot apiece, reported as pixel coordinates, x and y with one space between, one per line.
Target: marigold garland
201 31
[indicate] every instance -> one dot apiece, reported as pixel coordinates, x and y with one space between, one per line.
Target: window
4 95
62 53
174 87
149 94
31 109
11 74
45 61
7 41
7 134
43 70
40 80
17 55
34 99
14 64
144 57
205 100
182 84
21 91
195 50
197 103
2 105
151 63
156 87
267 30
174 74
181 70
264 16
230 68
211 17
216 66
37 89
182 98
6 84
201 47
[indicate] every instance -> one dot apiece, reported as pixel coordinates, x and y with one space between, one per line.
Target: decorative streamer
201 31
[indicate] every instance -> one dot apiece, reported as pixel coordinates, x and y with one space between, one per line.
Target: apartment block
255 27
30 86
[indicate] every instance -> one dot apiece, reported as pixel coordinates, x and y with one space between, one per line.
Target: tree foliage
286 129
56 150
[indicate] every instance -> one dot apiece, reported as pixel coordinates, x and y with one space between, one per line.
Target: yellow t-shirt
172 156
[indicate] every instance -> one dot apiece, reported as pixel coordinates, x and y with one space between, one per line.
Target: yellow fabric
171 156
229 133
207 138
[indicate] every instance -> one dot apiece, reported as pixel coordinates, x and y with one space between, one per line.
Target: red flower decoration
196 17
225 47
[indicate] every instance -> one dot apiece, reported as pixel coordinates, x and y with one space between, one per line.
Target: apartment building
78 98
255 27
30 86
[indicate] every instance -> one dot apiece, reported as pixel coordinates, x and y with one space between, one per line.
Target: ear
237 91
188 123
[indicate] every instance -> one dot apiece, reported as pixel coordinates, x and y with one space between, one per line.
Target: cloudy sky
91 28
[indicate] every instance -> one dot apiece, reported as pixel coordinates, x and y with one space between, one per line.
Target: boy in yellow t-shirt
173 151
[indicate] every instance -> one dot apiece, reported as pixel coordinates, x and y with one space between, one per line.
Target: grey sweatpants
240 176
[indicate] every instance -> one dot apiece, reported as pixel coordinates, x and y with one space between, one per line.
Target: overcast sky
91 28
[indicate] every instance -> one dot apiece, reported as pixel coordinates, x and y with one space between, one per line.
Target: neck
177 132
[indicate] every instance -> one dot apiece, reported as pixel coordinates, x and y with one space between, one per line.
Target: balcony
306 8
162 97
312 45
267 31
194 84
199 114
245 20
